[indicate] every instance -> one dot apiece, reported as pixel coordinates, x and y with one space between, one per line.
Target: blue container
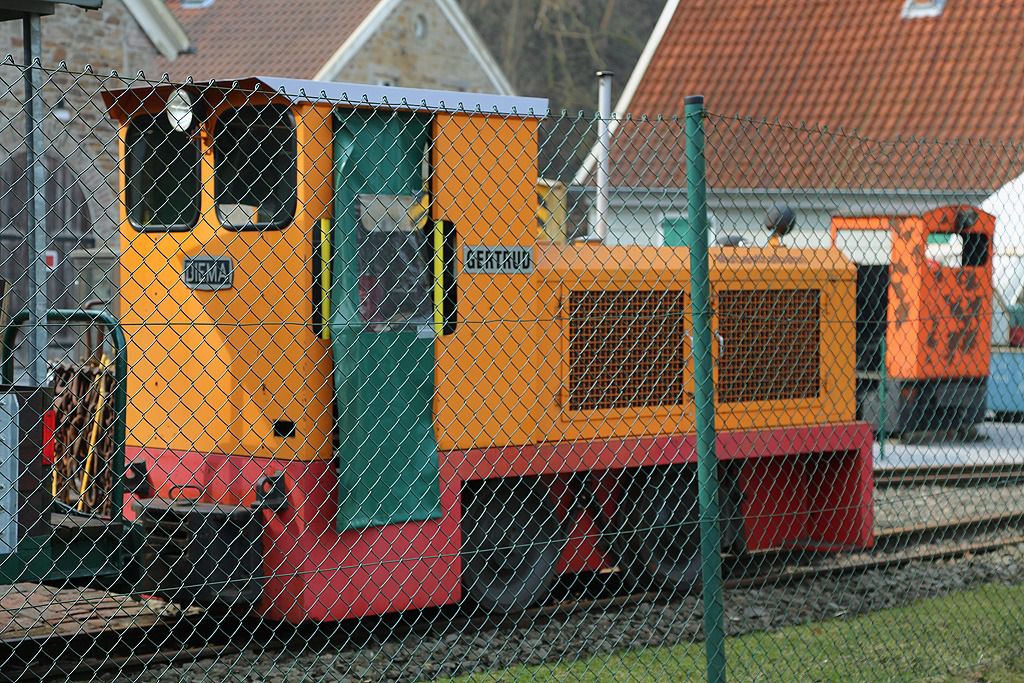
1006 381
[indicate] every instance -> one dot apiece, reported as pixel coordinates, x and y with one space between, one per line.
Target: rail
950 475
97 655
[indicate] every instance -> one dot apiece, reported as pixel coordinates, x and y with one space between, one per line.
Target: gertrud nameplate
494 260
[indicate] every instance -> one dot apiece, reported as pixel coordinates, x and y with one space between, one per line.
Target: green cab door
380 321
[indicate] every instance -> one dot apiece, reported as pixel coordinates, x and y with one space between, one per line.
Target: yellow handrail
94 435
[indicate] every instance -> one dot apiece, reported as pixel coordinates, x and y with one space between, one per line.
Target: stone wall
92 44
397 55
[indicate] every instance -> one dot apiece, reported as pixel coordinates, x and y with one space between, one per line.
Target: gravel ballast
601 630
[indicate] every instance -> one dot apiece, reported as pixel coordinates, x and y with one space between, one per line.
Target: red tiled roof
294 38
858 66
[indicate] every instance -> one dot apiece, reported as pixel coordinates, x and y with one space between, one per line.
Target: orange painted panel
628 274
632 274
212 370
778 360
492 379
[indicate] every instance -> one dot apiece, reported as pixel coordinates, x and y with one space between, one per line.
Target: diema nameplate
208 273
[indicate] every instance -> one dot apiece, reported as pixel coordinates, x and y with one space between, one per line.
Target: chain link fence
346 383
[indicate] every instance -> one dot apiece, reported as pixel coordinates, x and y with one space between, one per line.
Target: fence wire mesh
342 387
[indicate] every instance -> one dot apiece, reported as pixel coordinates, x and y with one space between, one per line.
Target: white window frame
387 81
916 9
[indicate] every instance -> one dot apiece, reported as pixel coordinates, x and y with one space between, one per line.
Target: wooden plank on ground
31 610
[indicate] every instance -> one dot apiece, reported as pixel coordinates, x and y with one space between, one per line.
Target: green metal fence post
883 396
704 394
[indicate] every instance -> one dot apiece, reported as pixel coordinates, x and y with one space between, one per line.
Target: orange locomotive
366 383
924 316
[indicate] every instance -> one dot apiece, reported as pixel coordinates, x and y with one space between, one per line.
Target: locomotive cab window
952 250
395 280
254 159
161 176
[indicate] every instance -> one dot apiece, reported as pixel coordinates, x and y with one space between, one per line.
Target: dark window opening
255 175
161 176
284 429
975 250
951 250
402 286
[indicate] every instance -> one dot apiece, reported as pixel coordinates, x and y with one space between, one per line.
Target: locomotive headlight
179 111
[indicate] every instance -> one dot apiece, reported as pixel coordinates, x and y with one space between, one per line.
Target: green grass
967 637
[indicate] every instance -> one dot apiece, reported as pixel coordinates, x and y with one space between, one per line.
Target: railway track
950 475
220 635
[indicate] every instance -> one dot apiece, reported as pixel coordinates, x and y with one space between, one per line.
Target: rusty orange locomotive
924 316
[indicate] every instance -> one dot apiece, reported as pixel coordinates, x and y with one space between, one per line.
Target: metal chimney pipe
604 109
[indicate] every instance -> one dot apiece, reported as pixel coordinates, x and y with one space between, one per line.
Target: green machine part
104 547
384 377
676 231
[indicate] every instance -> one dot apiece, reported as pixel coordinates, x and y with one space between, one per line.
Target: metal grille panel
627 349
771 344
